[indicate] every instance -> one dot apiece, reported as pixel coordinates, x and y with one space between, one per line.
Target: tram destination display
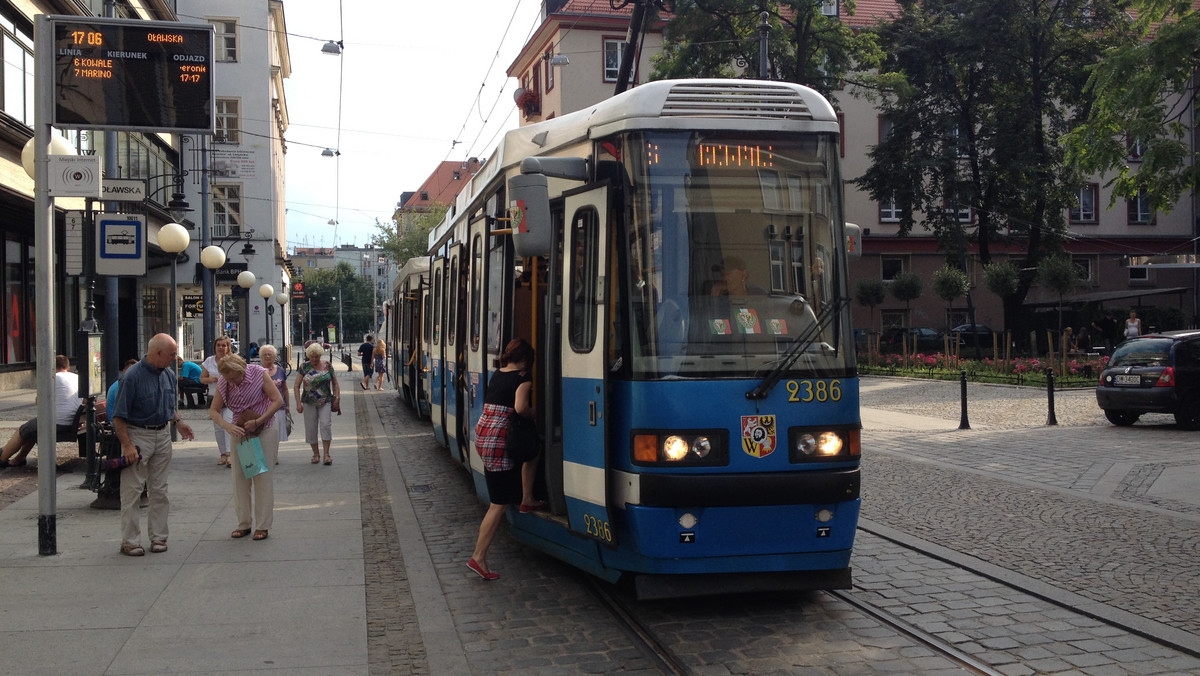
133 75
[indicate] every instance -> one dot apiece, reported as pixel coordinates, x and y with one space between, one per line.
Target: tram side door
455 359
474 345
437 362
583 352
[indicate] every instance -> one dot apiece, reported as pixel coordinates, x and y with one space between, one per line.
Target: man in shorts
364 355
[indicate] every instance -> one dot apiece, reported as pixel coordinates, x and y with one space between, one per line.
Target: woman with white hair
268 354
317 394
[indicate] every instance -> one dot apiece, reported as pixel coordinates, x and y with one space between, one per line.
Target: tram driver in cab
734 279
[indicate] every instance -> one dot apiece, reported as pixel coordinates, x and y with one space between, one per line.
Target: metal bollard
962 420
1050 419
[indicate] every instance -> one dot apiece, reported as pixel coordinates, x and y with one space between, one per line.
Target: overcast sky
415 77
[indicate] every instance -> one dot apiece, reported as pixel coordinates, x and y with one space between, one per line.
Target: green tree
407 234
1059 274
1144 90
720 38
1002 278
340 297
870 293
950 282
976 94
907 287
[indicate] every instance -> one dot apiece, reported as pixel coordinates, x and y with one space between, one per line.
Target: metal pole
963 423
1050 419
341 336
43 233
763 29
175 335
208 289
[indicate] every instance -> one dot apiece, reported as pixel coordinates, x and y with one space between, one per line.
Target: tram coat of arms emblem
758 435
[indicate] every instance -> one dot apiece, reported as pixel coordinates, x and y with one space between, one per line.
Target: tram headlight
816 445
673 448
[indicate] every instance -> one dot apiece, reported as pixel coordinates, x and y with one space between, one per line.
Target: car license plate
1127 379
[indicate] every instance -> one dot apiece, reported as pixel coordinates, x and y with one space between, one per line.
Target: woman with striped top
247 391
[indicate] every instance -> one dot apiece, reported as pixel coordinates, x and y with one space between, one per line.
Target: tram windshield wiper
797 347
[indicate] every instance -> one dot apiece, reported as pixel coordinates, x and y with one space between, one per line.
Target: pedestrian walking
317 395
278 375
379 362
144 409
222 347
248 391
365 353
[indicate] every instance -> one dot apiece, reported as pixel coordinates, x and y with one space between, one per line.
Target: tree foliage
950 282
906 287
340 297
720 38
976 94
1059 274
870 293
1143 91
407 234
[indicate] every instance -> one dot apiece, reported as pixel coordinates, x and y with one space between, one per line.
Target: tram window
778 282
428 324
798 265
437 308
452 308
584 277
495 292
476 289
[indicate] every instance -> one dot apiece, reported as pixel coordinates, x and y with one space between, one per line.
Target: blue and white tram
405 333
677 256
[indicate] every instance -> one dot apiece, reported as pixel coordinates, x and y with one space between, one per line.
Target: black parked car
927 340
1156 373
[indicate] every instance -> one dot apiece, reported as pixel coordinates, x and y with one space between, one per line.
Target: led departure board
133 75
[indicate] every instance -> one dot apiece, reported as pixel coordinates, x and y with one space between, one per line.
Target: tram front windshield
733 255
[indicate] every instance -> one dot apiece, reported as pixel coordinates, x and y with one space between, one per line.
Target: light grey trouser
263 485
151 473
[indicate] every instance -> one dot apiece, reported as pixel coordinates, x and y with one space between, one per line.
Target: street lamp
245 279
267 291
281 298
173 238
212 257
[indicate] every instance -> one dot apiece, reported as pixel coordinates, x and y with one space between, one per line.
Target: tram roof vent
731 100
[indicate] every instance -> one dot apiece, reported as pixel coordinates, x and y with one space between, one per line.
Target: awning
1105 296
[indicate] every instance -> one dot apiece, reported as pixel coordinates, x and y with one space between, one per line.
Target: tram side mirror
529 208
853 241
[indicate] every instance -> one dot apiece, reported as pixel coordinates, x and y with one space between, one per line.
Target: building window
960 141
889 267
16 46
1135 149
889 211
612 59
1139 209
229 121
226 39
893 318
1085 268
549 69
226 210
1139 274
1084 210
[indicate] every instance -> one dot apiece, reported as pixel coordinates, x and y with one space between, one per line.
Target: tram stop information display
133 75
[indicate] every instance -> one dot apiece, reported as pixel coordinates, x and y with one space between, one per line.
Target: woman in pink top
247 391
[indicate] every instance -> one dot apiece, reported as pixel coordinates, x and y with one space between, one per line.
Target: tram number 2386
821 391
597 528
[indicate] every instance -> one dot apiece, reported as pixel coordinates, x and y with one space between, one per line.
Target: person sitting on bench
66 419
189 383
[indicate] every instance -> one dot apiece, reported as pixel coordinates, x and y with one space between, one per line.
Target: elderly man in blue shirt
145 408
